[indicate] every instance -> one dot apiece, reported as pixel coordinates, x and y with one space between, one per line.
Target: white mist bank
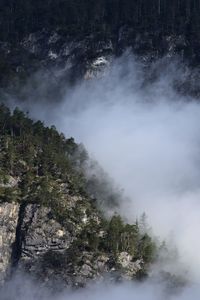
15 290
148 140
23 288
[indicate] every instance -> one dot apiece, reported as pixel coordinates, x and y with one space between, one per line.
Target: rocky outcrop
34 242
8 223
49 250
128 266
39 234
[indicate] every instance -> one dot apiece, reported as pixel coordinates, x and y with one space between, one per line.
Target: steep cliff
8 223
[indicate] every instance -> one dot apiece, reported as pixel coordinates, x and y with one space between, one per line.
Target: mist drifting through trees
146 138
107 96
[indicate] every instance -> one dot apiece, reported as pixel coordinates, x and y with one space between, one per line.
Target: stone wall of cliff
8 223
32 242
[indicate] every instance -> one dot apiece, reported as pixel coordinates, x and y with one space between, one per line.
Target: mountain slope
51 226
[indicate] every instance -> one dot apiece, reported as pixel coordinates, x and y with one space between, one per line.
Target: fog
147 138
23 288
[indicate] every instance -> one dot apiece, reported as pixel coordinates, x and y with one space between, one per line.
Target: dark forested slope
71 34
106 16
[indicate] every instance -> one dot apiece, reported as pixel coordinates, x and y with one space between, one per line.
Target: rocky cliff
8 223
33 242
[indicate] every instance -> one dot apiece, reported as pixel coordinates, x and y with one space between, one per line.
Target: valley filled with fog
146 136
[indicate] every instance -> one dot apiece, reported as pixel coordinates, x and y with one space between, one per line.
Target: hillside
51 225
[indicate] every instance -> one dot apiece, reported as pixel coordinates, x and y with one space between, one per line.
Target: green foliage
9 194
124 237
38 155
147 248
115 230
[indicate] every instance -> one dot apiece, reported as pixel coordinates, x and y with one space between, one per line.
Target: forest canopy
19 17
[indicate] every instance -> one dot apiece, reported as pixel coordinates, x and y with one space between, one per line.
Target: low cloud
23 288
147 138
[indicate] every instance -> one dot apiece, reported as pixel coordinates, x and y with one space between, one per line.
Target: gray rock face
40 243
8 223
47 250
34 242
125 260
41 233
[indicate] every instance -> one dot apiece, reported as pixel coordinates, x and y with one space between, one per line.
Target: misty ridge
145 135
